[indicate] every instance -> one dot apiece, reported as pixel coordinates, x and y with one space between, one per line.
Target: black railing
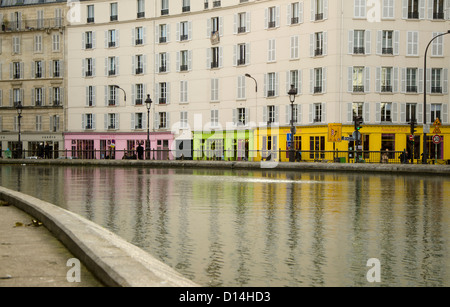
313 156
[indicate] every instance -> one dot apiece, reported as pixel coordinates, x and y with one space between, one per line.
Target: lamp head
148 101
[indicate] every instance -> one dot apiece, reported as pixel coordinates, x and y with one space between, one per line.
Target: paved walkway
31 256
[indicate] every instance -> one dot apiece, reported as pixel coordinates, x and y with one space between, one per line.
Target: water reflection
262 228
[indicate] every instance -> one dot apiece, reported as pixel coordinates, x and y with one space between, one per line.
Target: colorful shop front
117 145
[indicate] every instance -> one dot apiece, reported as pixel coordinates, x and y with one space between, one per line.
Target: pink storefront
117 145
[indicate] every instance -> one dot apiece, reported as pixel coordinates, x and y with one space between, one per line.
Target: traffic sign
437 139
289 137
411 138
437 130
437 123
344 138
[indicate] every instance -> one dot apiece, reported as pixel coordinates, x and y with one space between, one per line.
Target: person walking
140 152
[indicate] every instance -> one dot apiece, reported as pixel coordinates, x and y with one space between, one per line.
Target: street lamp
124 93
148 104
256 103
292 93
425 149
19 109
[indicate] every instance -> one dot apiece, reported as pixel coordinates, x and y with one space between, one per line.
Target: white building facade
218 73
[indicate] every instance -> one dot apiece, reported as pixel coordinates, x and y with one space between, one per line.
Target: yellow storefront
313 143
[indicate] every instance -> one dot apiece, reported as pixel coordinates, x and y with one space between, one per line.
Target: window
17 70
294 79
164 7
183 91
388 144
437 48
388 9
358 79
272 16
294 47
241 120
242 54
89 41
162 120
57 96
162 93
359 9
271 114
163 30
214 118
38 97
387 45
112 66
413 9
436 85
357 108
139 36
38 123
215 25
89 67
184 59
294 13
140 8
438 9
16 44
412 43
112 38
183 119
186 6
38 43
271 57
139 62
386 112
386 79
215 56
242 20
88 122
215 90
163 62
319 11
317 143
112 94
56 39
436 112
411 80
184 30
113 16
318 80
358 43
90 14
271 84
112 121
318 112
90 97
411 114
38 69
139 94
318 46
17 97
56 69
138 122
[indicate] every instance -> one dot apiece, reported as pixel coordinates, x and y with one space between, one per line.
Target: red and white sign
411 138
437 139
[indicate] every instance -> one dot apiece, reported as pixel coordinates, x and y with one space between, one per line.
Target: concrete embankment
413 169
108 257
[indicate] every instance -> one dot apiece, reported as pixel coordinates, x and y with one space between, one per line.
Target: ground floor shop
31 145
118 146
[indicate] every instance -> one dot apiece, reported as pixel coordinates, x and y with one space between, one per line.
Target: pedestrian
47 151
140 151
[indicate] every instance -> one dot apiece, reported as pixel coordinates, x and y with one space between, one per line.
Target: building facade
218 74
32 70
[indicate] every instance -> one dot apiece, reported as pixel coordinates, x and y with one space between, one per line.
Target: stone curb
413 169
115 262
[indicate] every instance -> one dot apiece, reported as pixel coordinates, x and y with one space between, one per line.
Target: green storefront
233 145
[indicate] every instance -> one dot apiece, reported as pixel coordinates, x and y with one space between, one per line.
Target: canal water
263 227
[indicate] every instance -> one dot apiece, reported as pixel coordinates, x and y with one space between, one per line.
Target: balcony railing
436 89
32 25
386 89
411 88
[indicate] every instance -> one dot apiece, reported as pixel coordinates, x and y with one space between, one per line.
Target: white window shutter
311 112
368 41
351 39
420 81
402 113
349 112
445 114
445 81
395 112
311 45
367 79
420 113
403 80
324 80
395 87
325 43
350 80
422 9
366 110
378 80
405 9
396 42
378 112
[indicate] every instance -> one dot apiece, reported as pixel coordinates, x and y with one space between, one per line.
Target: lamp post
292 93
148 104
19 109
124 93
256 102
425 149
